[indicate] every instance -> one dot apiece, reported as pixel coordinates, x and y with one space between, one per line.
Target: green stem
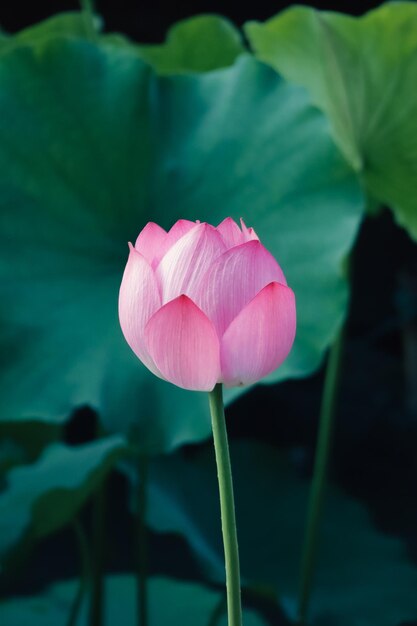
84 575
227 507
323 447
142 548
98 547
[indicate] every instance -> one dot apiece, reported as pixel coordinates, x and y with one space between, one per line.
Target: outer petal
150 241
231 233
182 268
139 298
184 345
260 338
233 280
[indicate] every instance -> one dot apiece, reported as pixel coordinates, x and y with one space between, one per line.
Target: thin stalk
142 542
98 549
318 484
227 507
84 575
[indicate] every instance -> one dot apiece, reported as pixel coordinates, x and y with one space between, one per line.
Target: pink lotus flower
201 305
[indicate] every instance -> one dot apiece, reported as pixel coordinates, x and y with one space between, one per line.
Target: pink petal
138 300
184 345
233 280
260 338
182 268
178 230
248 233
231 233
150 241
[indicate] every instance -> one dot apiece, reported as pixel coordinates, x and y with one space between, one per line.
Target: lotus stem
227 507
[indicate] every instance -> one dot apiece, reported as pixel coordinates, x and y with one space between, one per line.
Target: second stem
141 541
319 476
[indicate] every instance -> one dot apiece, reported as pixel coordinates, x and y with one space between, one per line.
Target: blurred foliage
362 73
171 602
42 497
198 44
60 25
22 442
356 562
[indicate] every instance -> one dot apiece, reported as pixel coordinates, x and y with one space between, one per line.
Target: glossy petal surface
183 343
260 338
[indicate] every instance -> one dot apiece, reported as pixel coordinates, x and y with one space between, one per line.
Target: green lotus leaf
362 73
197 44
62 24
93 145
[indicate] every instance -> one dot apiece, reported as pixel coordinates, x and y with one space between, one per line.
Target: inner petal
178 230
183 267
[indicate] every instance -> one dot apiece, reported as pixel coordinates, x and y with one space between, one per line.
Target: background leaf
197 44
42 497
22 442
169 602
356 566
362 72
93 145
67 24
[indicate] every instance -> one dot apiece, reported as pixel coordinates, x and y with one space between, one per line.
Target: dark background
148 22
374 455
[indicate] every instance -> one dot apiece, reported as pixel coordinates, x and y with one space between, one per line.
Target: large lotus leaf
92 146
42 497
173 603
198 44
63 24
362 72
363 577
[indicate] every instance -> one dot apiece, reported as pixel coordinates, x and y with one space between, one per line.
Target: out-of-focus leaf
362 72
22 442
197 44
93 145
42 497
172 603
71 24
363 577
